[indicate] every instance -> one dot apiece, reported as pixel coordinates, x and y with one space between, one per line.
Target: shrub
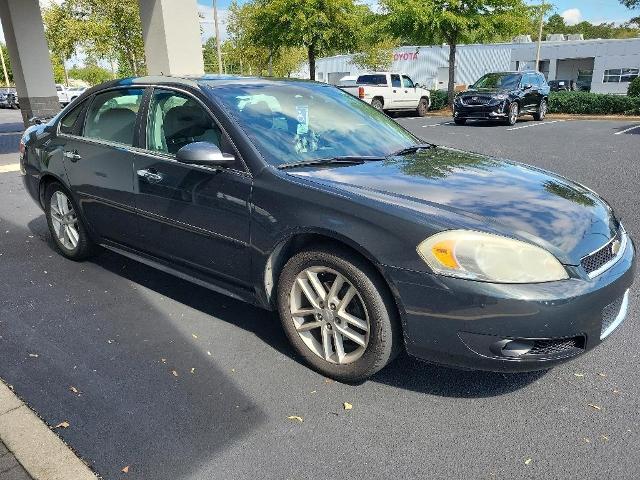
593 103
634 88
439 99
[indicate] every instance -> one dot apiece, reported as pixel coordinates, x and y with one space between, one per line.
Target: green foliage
556 24
92 74
59 75
593 103
320 27
439 99
634 88
631 3
7 64
104 29
375 55
432 22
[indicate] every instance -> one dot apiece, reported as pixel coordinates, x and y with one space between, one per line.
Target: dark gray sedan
296 196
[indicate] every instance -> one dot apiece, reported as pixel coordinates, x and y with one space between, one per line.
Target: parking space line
12 167
535 124
437 124
627 130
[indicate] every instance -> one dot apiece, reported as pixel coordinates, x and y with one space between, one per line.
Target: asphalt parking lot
178 382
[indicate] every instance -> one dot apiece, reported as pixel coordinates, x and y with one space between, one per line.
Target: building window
320 76
618 75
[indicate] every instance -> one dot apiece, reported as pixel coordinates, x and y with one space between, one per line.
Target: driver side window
175 120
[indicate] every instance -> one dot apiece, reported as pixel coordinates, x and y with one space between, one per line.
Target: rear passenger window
69 121
112 115
395 81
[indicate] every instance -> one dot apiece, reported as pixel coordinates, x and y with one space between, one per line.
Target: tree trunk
452 72
311 51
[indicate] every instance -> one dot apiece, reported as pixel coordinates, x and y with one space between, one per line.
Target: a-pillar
171 31
30 61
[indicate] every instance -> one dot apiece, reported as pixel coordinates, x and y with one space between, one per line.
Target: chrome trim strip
623 246
619 318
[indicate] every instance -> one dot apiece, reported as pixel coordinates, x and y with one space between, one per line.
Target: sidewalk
10 469
26 441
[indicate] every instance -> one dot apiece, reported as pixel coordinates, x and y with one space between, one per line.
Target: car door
397 97
98 161
530 86
194 215
410 92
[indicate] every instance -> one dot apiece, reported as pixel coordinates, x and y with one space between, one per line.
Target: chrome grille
604 255
475 100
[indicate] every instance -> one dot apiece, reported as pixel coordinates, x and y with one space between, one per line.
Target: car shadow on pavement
102 354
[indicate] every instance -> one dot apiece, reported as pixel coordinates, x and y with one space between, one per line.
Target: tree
91 74
320 27
104 29
631 3
375 46
7 64
453 22
556 24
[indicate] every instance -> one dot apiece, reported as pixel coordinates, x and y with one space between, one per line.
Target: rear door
193 215
396 99
99 163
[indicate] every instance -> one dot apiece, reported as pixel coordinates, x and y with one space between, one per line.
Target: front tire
542 111
338 313
514 111
67 229
459 121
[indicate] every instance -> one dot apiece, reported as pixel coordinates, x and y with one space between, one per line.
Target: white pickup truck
391 91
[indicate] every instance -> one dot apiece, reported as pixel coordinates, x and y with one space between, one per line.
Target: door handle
149 176
394 91
73 156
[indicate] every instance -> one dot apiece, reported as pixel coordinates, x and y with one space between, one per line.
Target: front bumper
516 327
484 112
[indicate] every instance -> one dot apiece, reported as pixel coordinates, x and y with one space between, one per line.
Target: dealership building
601 65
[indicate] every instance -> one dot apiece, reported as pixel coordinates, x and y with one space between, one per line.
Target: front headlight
501 96
489 257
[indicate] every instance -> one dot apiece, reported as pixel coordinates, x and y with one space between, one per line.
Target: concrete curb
38 449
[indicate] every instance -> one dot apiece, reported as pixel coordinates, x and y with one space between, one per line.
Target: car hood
495 195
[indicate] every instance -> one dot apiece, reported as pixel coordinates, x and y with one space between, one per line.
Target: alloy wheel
64 221
513 113
329 315
543 109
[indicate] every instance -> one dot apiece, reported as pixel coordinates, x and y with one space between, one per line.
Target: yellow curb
12 167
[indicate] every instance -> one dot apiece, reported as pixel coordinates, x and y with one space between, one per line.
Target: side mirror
528 86
204 153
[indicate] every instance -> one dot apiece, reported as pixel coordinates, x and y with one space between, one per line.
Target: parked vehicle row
297 197
8 98
388 91
66 95
503 96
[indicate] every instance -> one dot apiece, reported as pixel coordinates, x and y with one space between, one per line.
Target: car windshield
299 121
506 81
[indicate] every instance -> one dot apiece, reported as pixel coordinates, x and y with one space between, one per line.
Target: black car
296 196
503 97
559 85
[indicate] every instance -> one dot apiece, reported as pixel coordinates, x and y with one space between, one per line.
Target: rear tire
377 104
459 121
67 228
423 107
316 331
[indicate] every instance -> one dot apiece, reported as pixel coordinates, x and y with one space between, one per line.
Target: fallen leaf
295 417
586 440
193 370
602 374
615 390
125 469
74 390
347 406
163 360
174 373
194 335
64 424
313 391
579 374
233 369
595 407
604 437
528 461
208 353
33 355
328 380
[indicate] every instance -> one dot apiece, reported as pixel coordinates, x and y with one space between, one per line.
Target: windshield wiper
412 149
355 160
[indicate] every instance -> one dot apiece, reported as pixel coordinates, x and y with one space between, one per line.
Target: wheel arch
45 180
378 97
298 241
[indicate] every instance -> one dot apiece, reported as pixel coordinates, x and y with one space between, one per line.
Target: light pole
217 29
542 6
